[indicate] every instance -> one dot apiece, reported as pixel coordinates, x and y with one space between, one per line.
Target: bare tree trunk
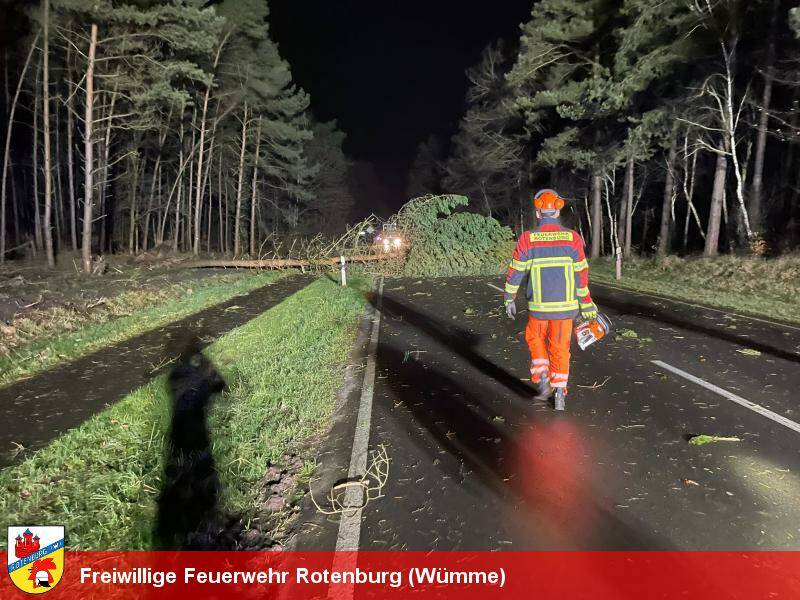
58 193
151 196
187 227
227 217
71 159
200 186
48 161
253 193
763 120
220 230
181 166
717 199
486 199
665 232
238 219
597 215
7 150
628 240
133 237
689 176
86 242
37 219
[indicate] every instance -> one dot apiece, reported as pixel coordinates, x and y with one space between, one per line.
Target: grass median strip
761 287
102 480
184 300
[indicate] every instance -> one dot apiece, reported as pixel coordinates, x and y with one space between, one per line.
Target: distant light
397 242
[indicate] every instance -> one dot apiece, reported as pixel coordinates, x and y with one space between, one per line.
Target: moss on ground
102 479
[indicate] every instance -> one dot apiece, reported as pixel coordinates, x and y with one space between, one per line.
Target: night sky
391 73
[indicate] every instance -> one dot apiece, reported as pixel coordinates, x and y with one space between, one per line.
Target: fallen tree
287 263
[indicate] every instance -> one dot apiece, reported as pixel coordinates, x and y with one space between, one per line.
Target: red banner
461 575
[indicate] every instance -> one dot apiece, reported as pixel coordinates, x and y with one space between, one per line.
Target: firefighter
558 289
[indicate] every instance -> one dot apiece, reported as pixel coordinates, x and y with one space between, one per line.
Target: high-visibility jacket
558 274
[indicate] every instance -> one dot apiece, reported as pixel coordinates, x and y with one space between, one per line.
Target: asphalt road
477 464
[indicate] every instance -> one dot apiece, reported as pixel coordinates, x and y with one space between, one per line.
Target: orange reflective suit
558 287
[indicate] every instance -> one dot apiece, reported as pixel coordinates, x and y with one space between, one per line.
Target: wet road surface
37 409
477 464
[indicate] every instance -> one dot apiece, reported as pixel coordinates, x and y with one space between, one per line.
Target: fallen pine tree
286 263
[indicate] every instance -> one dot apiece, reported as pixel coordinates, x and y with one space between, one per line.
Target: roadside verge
102 479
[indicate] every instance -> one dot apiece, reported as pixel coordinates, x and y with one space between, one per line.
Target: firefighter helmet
548 200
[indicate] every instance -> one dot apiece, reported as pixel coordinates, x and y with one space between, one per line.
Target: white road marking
350 525
724 312
732 397
348 539
497 288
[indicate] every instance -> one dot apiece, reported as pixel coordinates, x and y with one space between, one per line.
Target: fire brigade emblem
35 557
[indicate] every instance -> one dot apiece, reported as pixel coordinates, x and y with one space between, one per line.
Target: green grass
757 286
48 350
101 480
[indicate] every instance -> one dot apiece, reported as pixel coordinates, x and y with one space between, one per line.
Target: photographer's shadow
189 517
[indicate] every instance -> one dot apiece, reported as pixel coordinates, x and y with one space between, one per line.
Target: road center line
732 397
350 525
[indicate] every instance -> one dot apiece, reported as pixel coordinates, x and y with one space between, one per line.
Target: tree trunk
253 193
86 242
628 242
7 150
133 237
71 160
763 120
200 186
48 164
486 200
238 218
220 229
175 233
689 177
665 232
150 198
37 219
717 198
597 215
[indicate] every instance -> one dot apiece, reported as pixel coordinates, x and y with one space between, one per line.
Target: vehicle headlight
397 242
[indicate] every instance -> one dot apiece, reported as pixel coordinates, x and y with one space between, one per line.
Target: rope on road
370 485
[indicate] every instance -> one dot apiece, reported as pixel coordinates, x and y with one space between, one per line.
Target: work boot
543 389
560 398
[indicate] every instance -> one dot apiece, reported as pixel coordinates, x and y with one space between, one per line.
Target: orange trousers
548 341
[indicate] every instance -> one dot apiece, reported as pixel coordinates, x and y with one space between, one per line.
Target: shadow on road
672 317
545 463
457 339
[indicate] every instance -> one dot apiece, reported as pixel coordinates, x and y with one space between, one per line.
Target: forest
672 126
134 125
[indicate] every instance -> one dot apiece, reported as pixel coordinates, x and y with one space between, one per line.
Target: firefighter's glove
511 309
589 311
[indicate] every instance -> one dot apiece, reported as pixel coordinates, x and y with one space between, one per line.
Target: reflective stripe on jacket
558 281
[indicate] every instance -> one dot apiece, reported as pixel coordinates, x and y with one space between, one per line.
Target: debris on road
371 484
699 440
595 385
748 351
